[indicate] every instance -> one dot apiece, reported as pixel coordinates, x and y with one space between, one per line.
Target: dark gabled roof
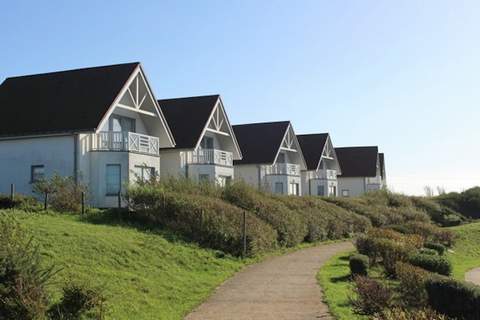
358 161
381 159
187 117
312 146
260 142
57 102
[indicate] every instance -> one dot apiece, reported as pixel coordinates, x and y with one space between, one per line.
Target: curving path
473 276
279 288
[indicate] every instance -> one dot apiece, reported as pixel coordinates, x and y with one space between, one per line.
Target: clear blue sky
403 75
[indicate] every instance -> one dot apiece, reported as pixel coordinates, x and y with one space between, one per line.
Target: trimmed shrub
209 221
440 248
371 296
64 194
358 264
403 314
290 225
20 202
444 237
391 252
432 263
454 298
412 284
428 251
79 302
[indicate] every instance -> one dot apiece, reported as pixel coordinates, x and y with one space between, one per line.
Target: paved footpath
473 276
279 288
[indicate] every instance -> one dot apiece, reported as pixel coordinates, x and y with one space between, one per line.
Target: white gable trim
219 106
330 144
303 165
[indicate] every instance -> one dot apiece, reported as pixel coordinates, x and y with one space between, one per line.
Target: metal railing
125 141
283 168
210 156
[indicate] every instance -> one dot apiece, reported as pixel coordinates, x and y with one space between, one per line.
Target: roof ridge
313 134
72 70
258 123
191 97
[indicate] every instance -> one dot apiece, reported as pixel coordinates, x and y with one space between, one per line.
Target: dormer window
121 124
281 158
206 143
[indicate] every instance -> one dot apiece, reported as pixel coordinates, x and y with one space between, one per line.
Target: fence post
119 199
12 192
244 234
45 204
83 202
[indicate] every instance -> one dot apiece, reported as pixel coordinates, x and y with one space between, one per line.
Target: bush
428 251
64 194
371 296
23 278
209 221
454 298
403 314
467 202
78 302
358 264
412 284
290 225
440 248
432 263
20 202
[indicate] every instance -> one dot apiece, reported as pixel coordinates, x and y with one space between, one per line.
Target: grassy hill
144 275
465 255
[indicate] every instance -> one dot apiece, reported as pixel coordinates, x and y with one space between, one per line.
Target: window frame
275 187
320 187
153 173
119 166
32 170
347 192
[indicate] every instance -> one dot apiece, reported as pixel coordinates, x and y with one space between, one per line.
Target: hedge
440 248
432 263
358 264
454 298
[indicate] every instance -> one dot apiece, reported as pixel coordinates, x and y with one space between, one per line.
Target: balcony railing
124 141
283 168
210 156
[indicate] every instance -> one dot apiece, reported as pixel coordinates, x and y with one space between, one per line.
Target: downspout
259 177
75 157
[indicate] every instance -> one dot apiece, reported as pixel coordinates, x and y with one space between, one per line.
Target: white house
205 142
272 157
320 177
362 170
101 125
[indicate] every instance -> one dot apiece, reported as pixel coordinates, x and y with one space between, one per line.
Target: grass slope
465 254
144 275
337 290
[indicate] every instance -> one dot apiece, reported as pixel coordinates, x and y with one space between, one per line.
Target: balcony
283 168
124 141
210 156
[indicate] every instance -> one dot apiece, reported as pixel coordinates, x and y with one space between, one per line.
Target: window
145 173
113 179
37 173
207 143
281 158
294 189
345 193
332 191
224 181
279 187
320 190
121 124
204 178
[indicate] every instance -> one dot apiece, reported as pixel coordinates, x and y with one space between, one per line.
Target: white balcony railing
124 141
283 168
210 156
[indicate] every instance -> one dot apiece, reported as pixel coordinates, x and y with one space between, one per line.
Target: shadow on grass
345 278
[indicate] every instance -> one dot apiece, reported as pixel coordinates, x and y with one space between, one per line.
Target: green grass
144 275
465 253
333 277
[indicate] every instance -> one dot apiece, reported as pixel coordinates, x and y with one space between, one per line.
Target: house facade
320 176
362 170
272 157
100 125
206 145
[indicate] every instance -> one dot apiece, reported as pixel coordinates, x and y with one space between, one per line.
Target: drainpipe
75 157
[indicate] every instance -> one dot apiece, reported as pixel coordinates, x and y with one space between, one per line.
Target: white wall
355 185
248 173
17 156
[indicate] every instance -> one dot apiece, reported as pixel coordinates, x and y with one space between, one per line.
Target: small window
113 180
295 189
279 187
320 190
345 193
37 173
145 173
207 143
204 177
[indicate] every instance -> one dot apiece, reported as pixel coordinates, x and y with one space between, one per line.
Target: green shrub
405 314
209 221
440 248
64 193
467 202
371 296
453 298
20 202
428 251
392 252
289 224
79 302
412 284
23 278
451 220
358 264
432 263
